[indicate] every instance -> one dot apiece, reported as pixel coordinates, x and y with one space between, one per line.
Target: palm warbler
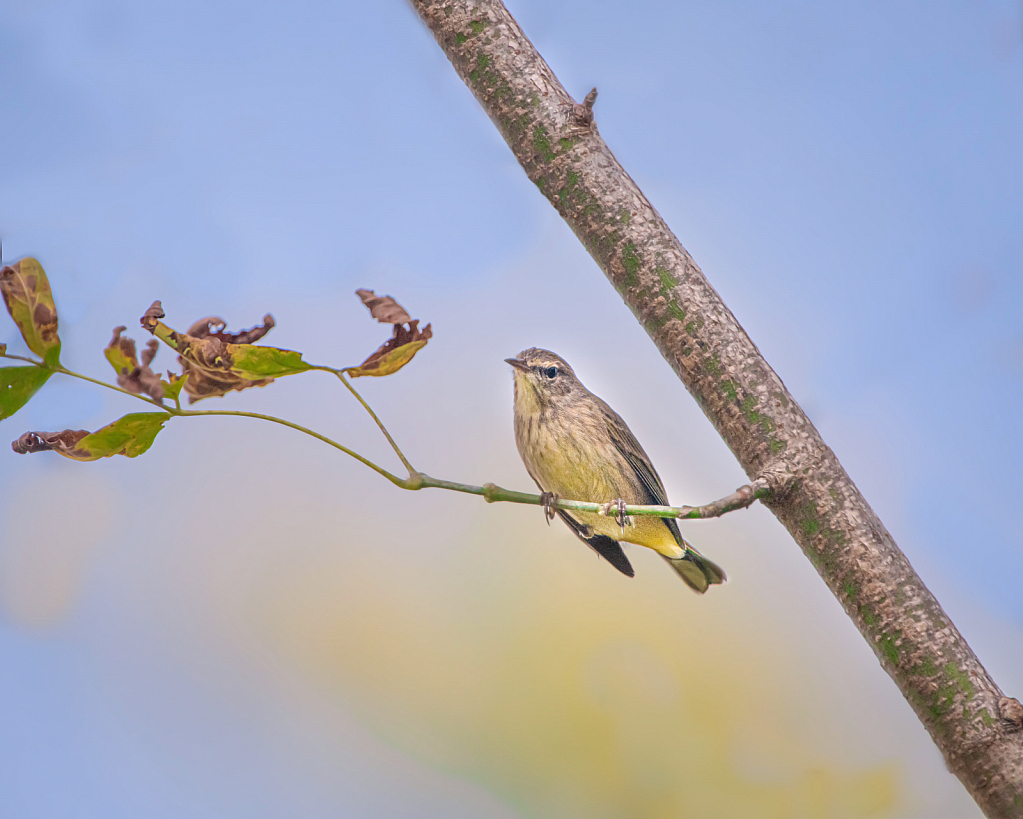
575 446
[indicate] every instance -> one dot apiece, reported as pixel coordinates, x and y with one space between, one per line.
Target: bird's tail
698 572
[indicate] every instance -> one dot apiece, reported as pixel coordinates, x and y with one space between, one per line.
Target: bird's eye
550 372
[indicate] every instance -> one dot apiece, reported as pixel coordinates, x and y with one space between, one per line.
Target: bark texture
556 141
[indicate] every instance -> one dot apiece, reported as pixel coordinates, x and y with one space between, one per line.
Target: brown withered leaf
404 343
207 364
383 308
131 375
47 441
152 316
203 328
217 362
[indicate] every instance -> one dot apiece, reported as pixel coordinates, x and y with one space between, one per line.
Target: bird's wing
639 462
608 548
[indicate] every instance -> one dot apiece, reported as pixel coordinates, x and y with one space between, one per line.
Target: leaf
18 385
251 361
129 436
3 349
132 376
404 343
26 292
172 389
217 362
118 352
383 308
203 328
388 360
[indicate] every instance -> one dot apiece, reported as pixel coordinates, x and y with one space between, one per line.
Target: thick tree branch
557 143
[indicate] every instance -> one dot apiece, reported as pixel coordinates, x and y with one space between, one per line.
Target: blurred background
243 622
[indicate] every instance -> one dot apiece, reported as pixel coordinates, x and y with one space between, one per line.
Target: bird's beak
518 364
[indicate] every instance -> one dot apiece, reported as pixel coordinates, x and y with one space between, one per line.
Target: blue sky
849 177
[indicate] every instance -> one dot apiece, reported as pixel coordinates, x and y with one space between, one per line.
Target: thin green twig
404 483
22 358
65 371
740 499
411 470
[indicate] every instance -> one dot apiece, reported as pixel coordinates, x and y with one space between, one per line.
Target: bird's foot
549 501
616 508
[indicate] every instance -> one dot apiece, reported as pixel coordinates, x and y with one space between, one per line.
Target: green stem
65 371
404 483
341 376
22 358
492 493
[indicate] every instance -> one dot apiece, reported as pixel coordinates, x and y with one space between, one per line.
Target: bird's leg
617 508
549 501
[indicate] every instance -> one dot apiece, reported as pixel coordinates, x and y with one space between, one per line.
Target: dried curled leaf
215 362
404 343
18 385
60 442
203 328
3 349
152 317
131 375
129 436
29 300
383 308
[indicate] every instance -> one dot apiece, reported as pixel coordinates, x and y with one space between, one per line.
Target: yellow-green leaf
18 385
251 361
390 362
172 388
26 292
129 436
119 360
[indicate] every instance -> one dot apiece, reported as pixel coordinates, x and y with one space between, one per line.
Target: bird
575 446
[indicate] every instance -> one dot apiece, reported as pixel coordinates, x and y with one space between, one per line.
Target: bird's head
542 377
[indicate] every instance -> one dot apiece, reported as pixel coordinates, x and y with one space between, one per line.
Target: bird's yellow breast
577 461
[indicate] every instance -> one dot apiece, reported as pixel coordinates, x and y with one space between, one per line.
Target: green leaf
252 362
172 389
26 292
129 436
18 385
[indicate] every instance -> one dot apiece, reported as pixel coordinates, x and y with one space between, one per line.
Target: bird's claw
616 508
549 501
